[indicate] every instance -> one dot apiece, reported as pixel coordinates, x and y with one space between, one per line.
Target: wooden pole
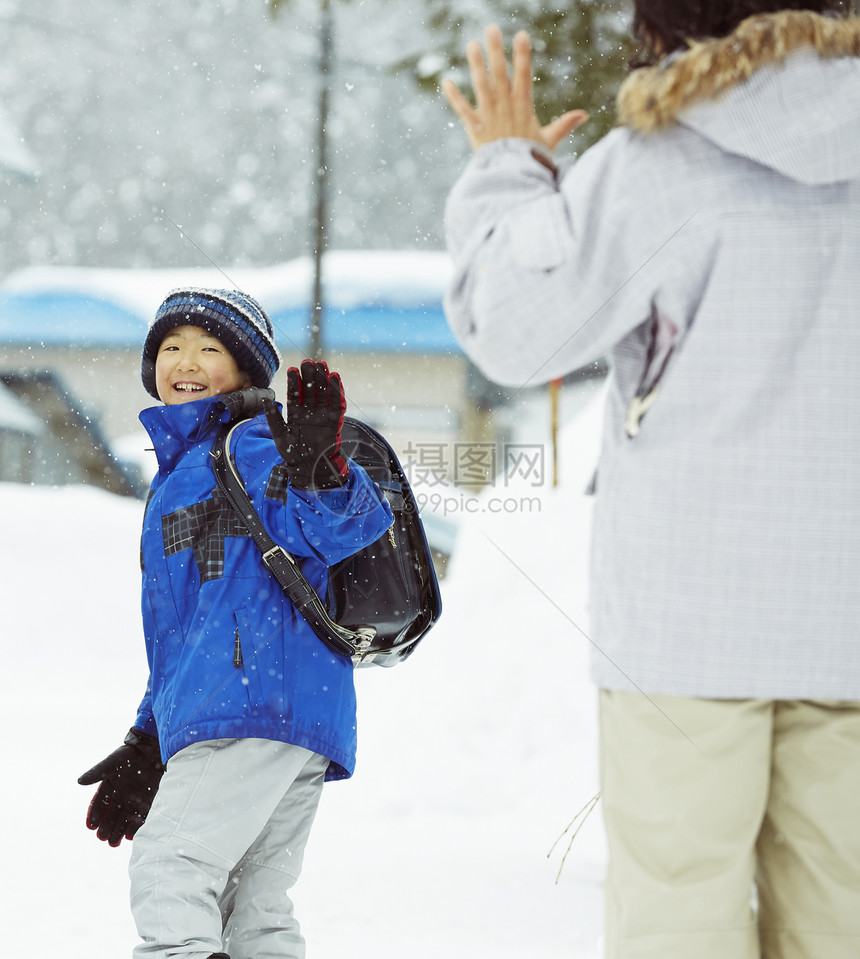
320 238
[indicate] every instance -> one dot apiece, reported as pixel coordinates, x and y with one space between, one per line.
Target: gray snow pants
223 843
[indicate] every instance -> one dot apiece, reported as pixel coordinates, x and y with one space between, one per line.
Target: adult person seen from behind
710 248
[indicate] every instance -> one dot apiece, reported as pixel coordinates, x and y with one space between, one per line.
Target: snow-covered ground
474 755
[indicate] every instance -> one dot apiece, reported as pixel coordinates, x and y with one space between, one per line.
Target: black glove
309 441
129 780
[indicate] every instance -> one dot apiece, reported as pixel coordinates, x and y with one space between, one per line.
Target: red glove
309 441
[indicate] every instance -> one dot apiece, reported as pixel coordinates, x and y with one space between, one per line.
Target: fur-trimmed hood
782 90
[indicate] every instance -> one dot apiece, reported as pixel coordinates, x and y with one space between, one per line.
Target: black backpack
382 600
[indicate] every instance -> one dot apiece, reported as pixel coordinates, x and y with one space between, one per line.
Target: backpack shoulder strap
280 563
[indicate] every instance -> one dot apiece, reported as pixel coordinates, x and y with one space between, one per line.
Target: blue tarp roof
66 319
76 319
370 328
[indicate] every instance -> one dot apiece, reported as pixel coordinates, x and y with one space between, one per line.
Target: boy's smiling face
193 364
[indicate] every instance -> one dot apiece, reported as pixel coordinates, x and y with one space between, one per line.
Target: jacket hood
782 90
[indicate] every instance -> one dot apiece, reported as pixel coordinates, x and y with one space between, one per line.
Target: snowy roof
373 301
16 417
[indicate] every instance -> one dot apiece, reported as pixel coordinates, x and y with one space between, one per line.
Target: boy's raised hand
309 441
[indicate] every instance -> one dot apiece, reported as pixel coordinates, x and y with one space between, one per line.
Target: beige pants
706 801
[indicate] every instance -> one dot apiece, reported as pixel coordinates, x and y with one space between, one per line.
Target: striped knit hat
235 318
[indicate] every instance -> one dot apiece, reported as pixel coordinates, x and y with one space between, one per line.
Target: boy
246 712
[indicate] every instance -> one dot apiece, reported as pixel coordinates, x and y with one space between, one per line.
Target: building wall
107 383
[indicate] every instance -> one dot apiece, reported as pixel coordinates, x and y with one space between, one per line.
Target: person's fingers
278 426
336 399
458 103
111 826
116 836
467 115
294 387
553 133
99 805
96 774
134 822
498 63
522 81
478 74
309 389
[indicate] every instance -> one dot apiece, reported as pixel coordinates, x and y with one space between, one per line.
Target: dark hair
663 26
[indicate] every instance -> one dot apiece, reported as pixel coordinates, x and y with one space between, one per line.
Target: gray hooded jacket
710 247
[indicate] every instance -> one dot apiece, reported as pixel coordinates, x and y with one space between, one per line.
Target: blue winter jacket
229 656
